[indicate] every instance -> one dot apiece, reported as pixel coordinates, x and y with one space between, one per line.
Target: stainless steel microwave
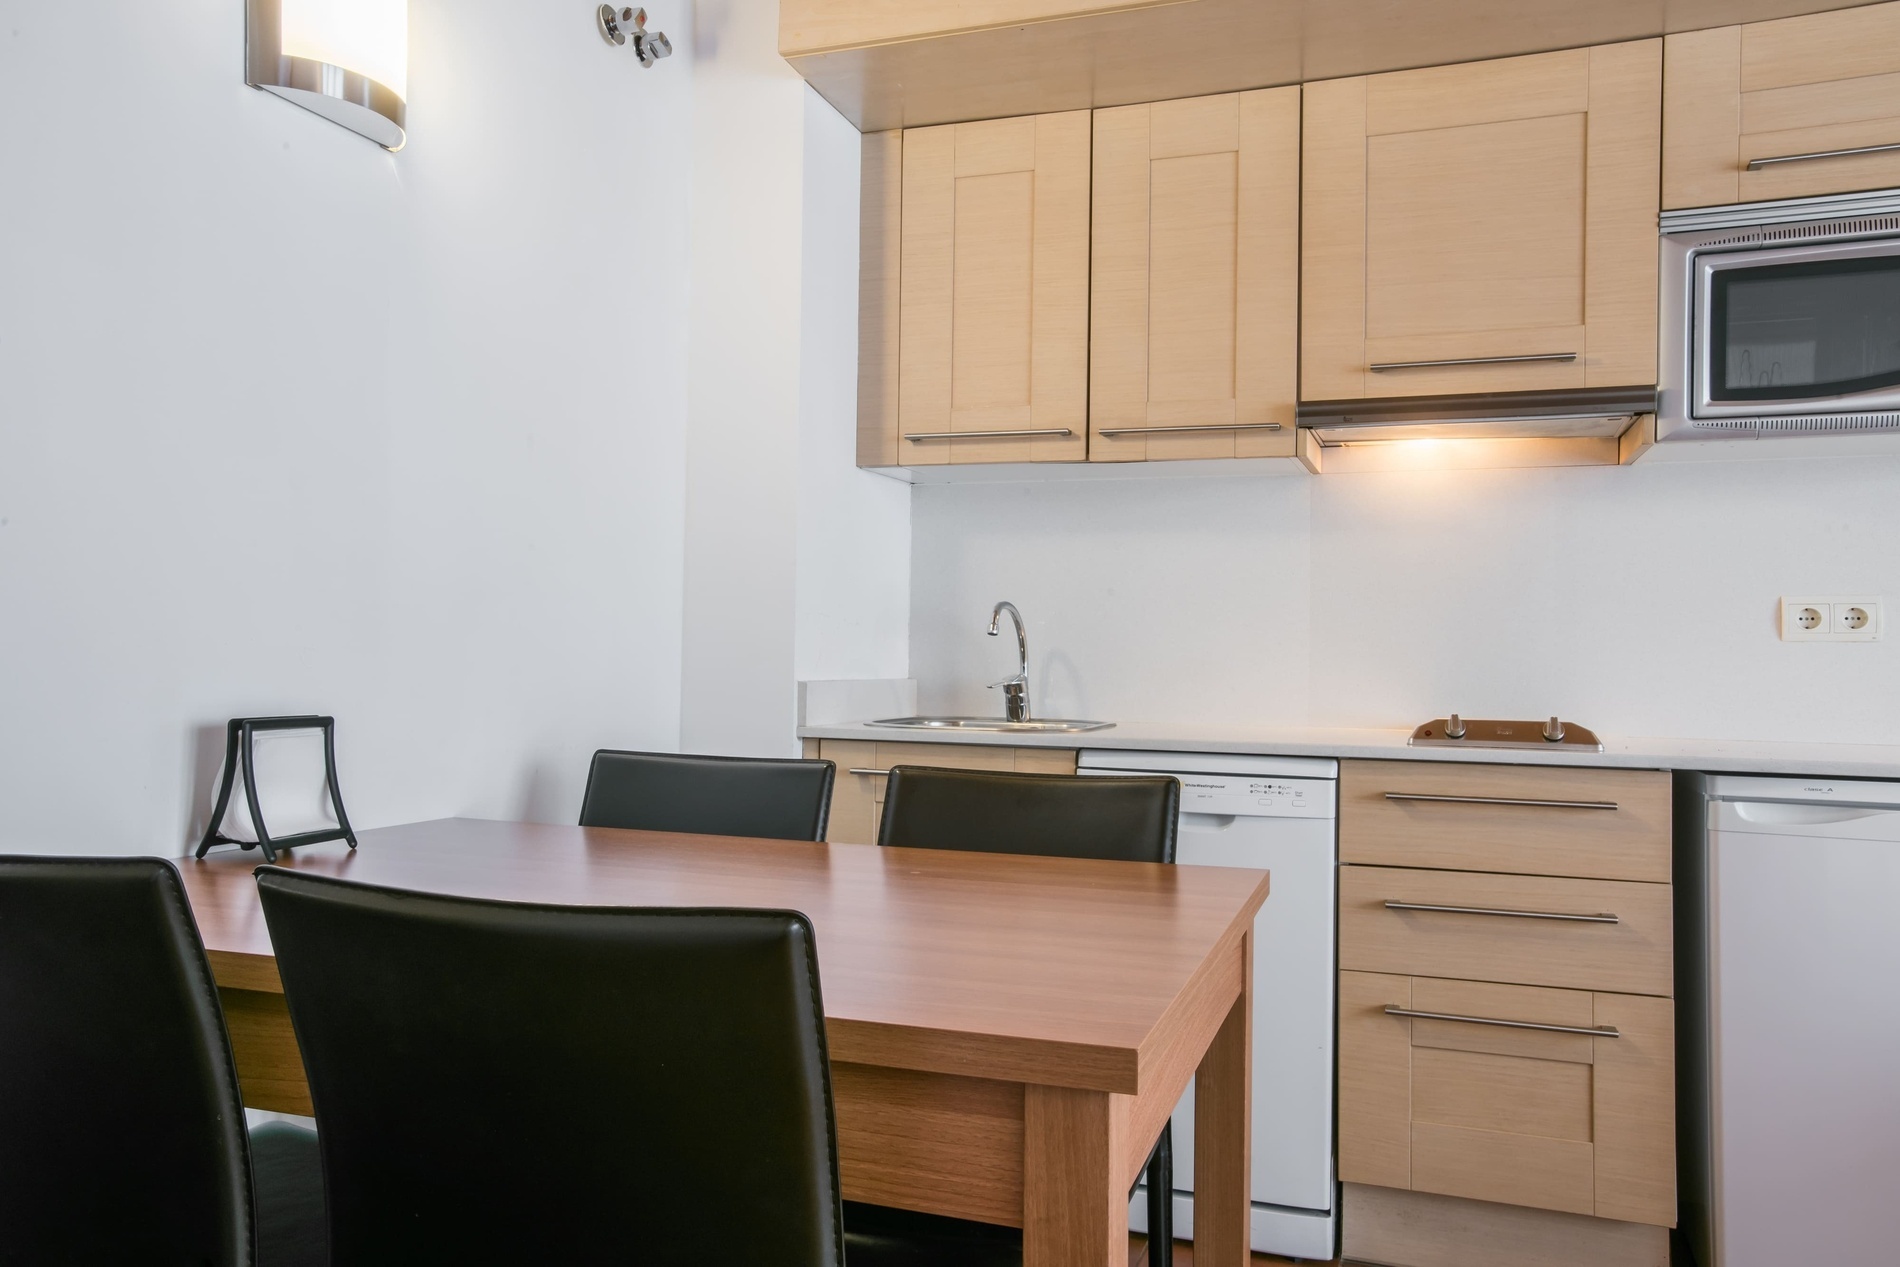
1781 318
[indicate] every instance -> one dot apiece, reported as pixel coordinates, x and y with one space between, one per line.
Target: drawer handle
1382 366
1211 426
1596 1031
1497 800
915 436
858 769
1756 164
1486 910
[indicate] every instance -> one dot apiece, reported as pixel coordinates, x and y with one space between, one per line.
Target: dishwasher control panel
1265 796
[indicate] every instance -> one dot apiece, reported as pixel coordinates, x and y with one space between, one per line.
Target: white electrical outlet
1830 619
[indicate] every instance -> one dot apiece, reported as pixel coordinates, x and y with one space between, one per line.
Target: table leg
1075 1204
1223 1114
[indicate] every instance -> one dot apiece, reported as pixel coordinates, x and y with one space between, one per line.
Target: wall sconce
347 60
624 26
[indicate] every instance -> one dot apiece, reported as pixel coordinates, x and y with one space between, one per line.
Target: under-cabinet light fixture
347 60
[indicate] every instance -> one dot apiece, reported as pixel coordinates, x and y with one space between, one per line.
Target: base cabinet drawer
857 797
1551 1099
1530 820
1529 930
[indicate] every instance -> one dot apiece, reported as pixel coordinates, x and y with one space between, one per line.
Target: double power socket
1830 619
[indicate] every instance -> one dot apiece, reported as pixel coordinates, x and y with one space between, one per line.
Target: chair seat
880 1236
287 1178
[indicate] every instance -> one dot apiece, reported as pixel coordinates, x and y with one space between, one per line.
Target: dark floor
1184 1255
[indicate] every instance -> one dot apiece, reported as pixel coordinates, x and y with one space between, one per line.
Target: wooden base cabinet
1765 111
1395 1228
1518 1102
857 797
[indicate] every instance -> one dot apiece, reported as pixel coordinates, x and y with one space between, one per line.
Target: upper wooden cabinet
1787 96
992 328
1501 214
1195 300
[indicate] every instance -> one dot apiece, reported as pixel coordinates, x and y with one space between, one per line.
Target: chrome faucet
1015 689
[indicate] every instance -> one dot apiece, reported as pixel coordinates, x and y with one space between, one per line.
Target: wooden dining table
1007 1034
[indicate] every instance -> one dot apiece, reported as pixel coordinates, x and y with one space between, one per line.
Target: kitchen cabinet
993 259
1506 1020
1194 326
857 797
1787 97
1482 227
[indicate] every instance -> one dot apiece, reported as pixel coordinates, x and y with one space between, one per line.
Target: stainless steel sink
1036 726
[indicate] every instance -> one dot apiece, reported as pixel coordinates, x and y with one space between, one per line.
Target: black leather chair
777 799
1054 815
500 1082
122 1137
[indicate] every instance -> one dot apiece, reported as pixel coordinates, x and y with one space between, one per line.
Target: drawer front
1530 820
857 798
1529 930
1578 1115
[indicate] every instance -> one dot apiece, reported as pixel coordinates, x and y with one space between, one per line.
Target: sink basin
1036 726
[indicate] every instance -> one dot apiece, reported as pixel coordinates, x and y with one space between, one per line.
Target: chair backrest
778 799
1059 815
505 1082
121 1133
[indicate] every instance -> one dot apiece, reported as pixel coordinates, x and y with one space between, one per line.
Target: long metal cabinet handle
1211 426
1594 1031
856 769
1756 164
1498 800
986 435
1487 910
1383 366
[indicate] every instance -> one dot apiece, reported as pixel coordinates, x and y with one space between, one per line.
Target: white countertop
1838 760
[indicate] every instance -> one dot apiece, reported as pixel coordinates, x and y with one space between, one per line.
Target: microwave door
1800 330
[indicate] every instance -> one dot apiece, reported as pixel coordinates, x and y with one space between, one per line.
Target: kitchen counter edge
1834 760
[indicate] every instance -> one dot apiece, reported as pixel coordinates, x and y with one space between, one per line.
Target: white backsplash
1638 601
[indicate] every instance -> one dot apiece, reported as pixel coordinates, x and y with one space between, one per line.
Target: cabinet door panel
1195 276
1496 210
1572 1122
1807 85
993 309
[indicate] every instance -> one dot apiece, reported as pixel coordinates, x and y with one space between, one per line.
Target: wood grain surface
1039 970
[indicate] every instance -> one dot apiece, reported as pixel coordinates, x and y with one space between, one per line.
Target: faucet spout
1015 689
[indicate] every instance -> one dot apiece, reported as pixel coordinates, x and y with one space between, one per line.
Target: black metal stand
237 750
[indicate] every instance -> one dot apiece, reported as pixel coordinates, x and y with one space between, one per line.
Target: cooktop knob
1455 727
1554 730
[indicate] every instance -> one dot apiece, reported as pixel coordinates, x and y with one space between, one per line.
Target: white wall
1639 601
797 564
853 609
288 423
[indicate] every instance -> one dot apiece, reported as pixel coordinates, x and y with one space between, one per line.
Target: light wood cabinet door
1194 323
993 307
1492 1112
1526 820
1491 212
1788 96
1523 929
857 796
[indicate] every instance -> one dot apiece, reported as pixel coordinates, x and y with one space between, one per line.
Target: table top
1051 970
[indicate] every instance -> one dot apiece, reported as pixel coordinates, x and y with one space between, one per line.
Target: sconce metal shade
339 93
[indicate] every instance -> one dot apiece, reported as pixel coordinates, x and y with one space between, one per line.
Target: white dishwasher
1789 1024
1277 814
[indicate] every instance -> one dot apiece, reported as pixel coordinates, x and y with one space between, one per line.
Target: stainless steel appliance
1276 813
1788 1030
1781 318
